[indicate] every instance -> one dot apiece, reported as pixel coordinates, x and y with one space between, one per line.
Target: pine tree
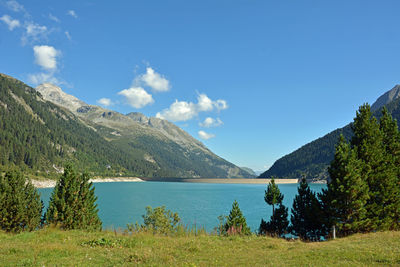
20 204
306 215
347 192
273 195
371 141
236 222
390 187
278 223
73 203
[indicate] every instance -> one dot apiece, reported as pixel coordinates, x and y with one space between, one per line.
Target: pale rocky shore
52 183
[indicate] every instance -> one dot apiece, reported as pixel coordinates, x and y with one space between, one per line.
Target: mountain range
312 160
45 127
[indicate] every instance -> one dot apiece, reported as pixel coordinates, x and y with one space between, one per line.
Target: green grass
50 247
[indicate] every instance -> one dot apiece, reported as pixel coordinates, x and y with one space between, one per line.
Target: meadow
54 247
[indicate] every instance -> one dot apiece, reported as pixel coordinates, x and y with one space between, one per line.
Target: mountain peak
55 94
386 98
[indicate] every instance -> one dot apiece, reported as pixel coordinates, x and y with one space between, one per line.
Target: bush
20 204
157 220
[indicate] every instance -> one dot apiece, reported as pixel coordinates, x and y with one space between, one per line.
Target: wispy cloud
68 35
44 77
137 97
15 6
211 122
205 136
34 33
72 13
11 23
184 111
54 18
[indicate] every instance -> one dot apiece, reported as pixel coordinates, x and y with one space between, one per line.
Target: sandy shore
52 183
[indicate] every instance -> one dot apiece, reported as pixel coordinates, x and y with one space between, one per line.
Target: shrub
157 220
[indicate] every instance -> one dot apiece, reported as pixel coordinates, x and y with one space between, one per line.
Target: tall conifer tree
306 218
347 192
278 223
20 204
378 169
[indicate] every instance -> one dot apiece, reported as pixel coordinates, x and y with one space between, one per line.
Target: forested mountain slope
312 159
39 137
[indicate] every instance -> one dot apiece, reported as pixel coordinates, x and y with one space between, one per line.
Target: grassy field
50 247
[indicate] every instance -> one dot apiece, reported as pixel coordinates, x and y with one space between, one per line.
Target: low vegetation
51 247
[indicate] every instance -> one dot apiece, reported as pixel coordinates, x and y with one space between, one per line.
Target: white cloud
210 122
137 97
34 32
154 80
220 104
68 35
42 77
15 6
46 57
105 102
178 111
54 18
205 136
183 111
11 23
72 13
204 103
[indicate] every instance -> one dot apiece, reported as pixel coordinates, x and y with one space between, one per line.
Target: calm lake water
197 204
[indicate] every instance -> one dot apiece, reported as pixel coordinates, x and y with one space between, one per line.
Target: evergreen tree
273 195
391 186
20 204
306 216
236 222
278 223
347 192
73 203
378 167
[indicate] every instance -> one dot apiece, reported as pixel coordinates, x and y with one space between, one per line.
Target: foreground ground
51 247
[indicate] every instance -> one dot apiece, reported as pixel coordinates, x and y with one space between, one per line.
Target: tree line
362 195
363 191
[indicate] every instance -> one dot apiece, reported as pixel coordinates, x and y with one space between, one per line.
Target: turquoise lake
197 204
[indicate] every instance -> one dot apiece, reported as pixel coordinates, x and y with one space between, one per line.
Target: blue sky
259 79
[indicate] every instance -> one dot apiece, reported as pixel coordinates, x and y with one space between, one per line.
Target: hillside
39 136
50 247
313 159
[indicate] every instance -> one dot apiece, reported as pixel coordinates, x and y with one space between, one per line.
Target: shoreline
52 183
222 180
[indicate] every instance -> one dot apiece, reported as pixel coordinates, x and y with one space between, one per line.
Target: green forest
312 160
38 137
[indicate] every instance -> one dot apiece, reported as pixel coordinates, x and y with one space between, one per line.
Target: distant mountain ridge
172 151
312 159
